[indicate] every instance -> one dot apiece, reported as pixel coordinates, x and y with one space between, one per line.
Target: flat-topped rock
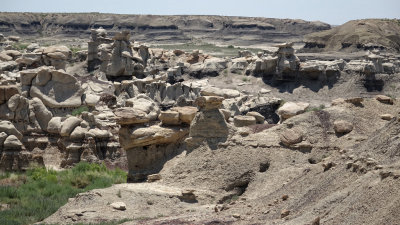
144 136
209 102
242 121
290 109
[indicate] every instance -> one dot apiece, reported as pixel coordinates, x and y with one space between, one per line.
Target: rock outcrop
209 124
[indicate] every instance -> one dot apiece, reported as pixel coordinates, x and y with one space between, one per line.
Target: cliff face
152 28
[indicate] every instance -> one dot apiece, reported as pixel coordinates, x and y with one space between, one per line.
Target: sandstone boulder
144 136
186 113
79 133
54 125
290 109
5 57
98 134
342 126
42 114
3 137
290 137
91 100
387 117
209 124
209 102
118 205
69 125
9 128
226 113
169 117
226 93
384 99
62 91
259 118
6 92
242 121
12 142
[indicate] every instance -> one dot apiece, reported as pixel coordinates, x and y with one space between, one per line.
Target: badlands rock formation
275 137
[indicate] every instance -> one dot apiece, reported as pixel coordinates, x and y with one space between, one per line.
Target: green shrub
80 110
316 109
19 46
231 46
45 191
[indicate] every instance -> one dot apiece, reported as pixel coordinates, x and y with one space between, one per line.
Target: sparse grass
39 192
19 46
232 199
74 50
79 110
119 194
316 109
225 72
245 79
220 51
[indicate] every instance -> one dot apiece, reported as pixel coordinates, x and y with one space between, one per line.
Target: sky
334 12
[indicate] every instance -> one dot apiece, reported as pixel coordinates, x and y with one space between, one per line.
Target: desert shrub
80 110
316 109
108 99
19 46
260 127
47 190
231 46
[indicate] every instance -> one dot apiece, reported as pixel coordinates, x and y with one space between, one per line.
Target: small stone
387 117
153 177
264 91
285 213
285 197
316 221
237 216
378 167
259 118
328 165
338 101
384 99
355 101
119 205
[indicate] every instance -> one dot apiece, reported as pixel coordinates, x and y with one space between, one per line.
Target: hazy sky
330 11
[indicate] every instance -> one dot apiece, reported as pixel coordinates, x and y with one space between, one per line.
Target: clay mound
357 35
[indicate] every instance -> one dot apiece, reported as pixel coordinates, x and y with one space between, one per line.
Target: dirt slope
245 180
357 35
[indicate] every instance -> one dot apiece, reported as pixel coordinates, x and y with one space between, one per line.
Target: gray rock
259 118
209 124
342 126
12 142
54 125
118 205
62 91
42 114
291 136
9 128
242 121
69 125
43 76
79 133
